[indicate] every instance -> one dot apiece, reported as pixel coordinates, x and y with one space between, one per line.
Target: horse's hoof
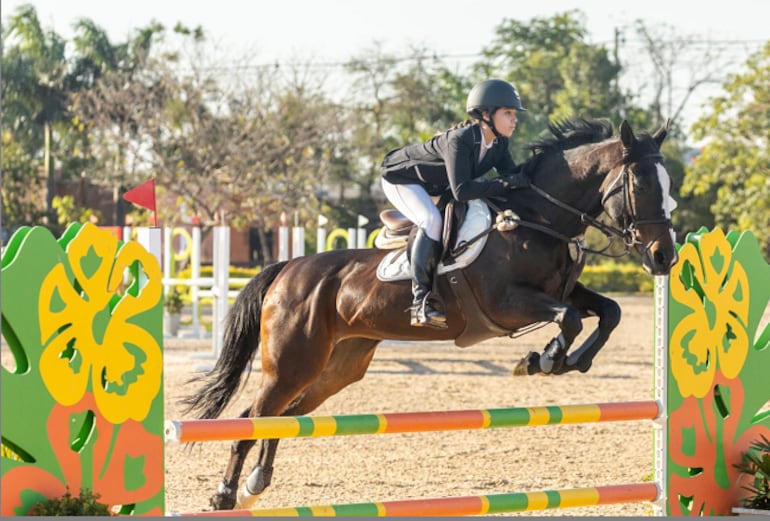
528 365
221 502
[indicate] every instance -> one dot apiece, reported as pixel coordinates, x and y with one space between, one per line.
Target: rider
453 159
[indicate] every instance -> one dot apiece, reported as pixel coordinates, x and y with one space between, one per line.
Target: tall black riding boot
424 260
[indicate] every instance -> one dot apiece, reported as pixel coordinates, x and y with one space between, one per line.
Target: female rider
454 159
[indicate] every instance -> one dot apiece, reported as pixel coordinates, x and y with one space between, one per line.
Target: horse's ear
626 135
662 132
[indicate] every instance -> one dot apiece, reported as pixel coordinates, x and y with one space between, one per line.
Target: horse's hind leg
261 474
274 396
348 363
225 497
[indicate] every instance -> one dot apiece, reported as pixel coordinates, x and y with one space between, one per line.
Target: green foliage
85 504
235 272
208 271
173 301
731 172
618 278
67 212
21 201
755 463
557 71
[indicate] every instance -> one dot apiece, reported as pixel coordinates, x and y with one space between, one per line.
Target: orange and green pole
185 431
466 506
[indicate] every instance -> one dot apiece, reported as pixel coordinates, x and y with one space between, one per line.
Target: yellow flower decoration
714 334
86 328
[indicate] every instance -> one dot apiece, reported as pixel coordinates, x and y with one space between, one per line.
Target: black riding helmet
490 95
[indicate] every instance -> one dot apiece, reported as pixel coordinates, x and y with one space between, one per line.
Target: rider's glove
516 180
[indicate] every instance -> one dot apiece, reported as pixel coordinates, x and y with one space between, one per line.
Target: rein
507 220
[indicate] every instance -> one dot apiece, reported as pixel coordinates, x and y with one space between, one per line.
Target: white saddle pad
395 265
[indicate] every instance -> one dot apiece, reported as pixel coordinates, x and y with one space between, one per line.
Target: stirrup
423 314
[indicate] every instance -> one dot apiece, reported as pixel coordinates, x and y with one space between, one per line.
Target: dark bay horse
320 318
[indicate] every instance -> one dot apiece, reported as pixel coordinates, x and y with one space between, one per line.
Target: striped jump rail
464 506
276 427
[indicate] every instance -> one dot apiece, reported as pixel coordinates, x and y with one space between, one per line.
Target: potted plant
173 304
85 504
755 467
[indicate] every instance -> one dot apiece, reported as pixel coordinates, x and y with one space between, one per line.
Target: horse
319 318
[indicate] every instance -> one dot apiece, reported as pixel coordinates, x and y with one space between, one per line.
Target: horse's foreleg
608 311
552 359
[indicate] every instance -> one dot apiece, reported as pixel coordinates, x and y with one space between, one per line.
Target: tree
228 143
671 68
557 73
34 91
394 102
40 80
21 203
735 160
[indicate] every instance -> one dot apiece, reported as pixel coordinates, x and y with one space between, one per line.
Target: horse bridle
507 220
630 222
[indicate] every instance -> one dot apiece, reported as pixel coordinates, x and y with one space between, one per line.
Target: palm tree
35 86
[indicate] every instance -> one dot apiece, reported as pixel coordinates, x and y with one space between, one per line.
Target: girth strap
478 326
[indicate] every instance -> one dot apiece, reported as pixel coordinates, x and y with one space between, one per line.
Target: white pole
321 237
660 370
167 255
221 273
150 239
361 240
297 242
351 237
283 243
361 232
195 264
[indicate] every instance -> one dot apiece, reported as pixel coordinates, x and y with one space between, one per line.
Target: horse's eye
640 187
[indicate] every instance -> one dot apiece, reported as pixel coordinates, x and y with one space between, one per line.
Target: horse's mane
571 133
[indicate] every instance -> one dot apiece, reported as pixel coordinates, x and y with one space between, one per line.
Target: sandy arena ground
440 376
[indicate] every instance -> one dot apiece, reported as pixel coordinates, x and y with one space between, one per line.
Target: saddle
464 223
461 226
397 229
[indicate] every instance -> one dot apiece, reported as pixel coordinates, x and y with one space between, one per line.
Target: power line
719 45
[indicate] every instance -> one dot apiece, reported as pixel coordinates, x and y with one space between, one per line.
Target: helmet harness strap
490 123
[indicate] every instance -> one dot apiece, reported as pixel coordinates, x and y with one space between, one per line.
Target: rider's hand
516 180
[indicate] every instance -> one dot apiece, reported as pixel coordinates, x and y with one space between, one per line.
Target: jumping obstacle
695 375
465 505
279 427
68 304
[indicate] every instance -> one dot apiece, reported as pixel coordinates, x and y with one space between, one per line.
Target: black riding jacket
451 159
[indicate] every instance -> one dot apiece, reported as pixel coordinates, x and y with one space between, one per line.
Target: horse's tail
239 346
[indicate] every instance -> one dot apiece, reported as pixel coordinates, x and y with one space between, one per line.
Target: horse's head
636 195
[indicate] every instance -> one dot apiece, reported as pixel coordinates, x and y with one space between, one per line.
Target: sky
336 30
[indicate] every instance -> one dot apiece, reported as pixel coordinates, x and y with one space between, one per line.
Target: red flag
144 196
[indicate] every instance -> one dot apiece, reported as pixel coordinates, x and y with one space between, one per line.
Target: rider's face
505 121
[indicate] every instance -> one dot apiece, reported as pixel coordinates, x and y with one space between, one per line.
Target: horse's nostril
660 258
